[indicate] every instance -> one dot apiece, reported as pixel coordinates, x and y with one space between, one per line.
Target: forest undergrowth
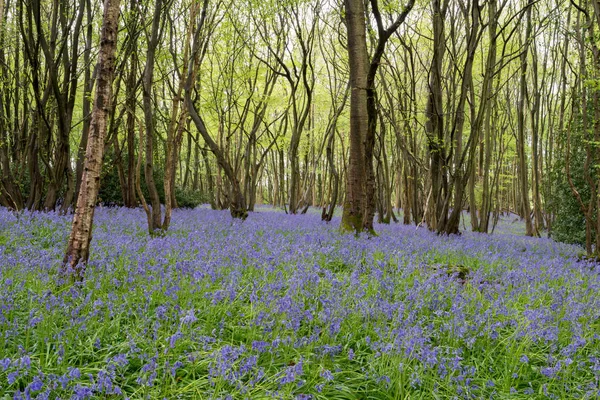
285 306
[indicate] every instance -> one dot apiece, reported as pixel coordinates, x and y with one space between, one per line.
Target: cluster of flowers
287 306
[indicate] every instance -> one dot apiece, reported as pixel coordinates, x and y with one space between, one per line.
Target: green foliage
569 226
188 198
110 187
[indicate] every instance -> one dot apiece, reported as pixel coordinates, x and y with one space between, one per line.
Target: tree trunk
130 103
78 248
352 216
10 194
149 120
88 83
336 177
535 142
523 169
359 206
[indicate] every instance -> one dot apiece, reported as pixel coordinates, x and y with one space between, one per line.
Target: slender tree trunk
282 180
130 132
188 161
523 168
149 119
78 248
86 120
335 174
130 103
535 143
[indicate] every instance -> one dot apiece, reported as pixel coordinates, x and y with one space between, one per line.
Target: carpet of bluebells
283 306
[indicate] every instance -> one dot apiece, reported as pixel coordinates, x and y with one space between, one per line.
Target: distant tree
10 195
237 200
154 218
339 92
521 142
292 22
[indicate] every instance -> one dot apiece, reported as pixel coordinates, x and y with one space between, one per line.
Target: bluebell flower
82 393
12 377
188 318
36 385
327 375
259 346
5 363
174 338
74 373
120 360
25 362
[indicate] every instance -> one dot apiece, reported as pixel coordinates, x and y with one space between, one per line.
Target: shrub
110 187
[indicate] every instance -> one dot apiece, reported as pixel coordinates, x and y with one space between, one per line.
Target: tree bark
359 206
434 125
523 168
149 120
352 216
77 253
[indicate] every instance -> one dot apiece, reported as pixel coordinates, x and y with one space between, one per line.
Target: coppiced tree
359 206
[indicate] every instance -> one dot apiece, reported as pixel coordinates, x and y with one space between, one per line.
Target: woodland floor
285 306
